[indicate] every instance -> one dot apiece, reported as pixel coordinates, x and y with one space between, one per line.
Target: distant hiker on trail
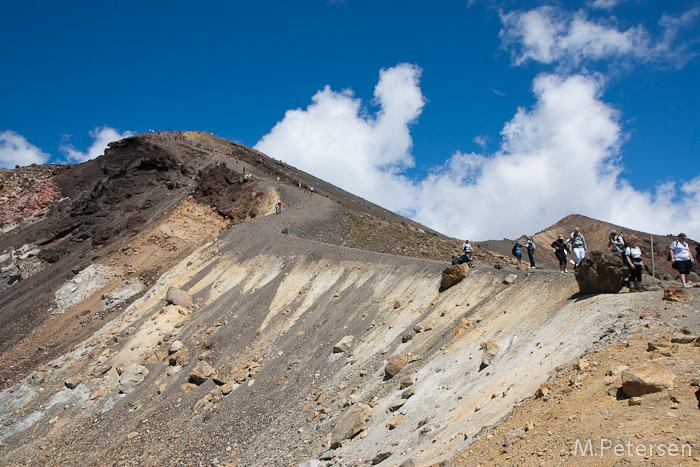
682 259
634 257
578 245
518 254
530 245
560 250
467 252
467 248
615 242
278 207
466 256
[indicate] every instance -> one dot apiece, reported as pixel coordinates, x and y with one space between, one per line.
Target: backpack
516 250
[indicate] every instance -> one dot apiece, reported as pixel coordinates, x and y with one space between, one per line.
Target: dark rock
601 272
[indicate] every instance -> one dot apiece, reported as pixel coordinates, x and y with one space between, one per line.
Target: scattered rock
201 372
680 338
312 463
405 382
677 294
543 391
649 313
396 363
408 463
395 422
179 297
510 278
351 423
664 348
175 347
343 344
132 376
513 436
463 324
491 350
382 456
646 379
73 382
635 401
187 387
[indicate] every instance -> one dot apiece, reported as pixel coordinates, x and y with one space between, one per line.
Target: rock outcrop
601 272
453 275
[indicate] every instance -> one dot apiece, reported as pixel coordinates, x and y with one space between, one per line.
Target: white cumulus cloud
559 157
16 150
550 35
102 136
338 140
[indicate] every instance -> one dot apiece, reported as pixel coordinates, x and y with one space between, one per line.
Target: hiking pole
652 256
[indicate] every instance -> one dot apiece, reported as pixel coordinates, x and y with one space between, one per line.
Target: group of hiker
679 254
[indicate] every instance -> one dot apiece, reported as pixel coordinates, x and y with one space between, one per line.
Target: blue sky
480 119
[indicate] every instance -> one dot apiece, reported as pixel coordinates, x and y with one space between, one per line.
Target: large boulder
646 379
453 275
601 272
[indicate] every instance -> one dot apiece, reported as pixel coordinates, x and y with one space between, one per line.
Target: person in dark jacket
560 250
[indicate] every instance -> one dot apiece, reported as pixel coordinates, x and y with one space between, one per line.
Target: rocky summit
156 310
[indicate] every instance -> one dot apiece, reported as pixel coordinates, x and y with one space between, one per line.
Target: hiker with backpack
466 256
530 246
634 258
616 242
517 253
578 246
560 250
682 258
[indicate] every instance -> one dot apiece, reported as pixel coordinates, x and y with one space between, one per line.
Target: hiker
578 245
517 253
278 207
681 258
560 250
530 246
634 257
467 251
616 242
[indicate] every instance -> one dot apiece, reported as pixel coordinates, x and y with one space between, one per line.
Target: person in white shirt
634 257
467 250
578 245
682 259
